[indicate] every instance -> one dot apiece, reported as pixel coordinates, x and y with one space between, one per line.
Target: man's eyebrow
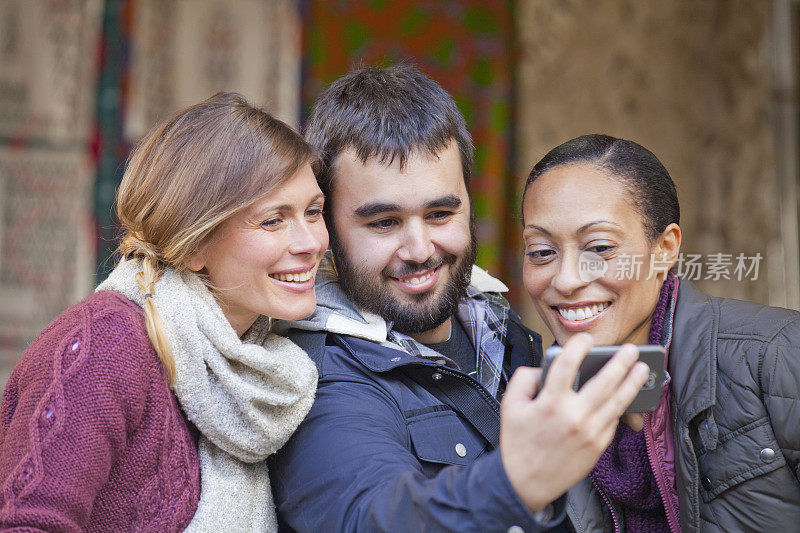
374 208
451 200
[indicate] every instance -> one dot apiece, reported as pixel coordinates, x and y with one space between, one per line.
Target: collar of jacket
522 344
375 358
693 355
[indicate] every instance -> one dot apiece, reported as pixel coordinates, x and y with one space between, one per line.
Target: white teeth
582 313
420 279
296 278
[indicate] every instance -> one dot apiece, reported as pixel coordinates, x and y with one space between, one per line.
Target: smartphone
648 398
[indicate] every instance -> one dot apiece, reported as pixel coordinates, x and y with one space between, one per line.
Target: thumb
523 385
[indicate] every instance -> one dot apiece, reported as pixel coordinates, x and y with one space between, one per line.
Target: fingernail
631 352
642 369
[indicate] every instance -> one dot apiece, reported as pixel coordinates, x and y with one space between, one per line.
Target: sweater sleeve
68 408
781 387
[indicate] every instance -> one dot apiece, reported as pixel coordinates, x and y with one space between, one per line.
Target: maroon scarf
623 472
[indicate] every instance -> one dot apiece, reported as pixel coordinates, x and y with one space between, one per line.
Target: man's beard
426 310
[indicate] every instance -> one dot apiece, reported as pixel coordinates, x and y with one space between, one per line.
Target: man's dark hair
638 169
385 113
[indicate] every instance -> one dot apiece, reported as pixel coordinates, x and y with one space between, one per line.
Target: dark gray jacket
735 413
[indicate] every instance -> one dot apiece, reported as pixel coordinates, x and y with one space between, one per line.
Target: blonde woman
152 404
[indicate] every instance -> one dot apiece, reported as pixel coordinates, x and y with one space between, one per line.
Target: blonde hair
187 176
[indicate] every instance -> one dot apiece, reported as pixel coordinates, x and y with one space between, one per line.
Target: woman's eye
382 224
314 213
540 256
272 223
601 248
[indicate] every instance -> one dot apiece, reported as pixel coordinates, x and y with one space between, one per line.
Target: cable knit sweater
91 438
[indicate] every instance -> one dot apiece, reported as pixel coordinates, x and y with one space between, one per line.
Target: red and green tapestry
465 45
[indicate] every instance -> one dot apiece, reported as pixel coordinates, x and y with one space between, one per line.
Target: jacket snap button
436 376
395 359
767 455
461 450
707 483
515 529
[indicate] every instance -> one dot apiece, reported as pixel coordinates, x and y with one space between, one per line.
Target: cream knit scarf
245 396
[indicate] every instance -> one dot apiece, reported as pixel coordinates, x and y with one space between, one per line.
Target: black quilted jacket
735 411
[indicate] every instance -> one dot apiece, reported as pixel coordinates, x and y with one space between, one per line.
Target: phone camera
650 384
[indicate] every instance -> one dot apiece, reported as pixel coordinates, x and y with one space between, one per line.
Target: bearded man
415 345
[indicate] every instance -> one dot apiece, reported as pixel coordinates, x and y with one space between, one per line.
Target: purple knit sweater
91 438
623 472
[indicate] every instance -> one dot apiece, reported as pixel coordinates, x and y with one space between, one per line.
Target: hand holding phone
550 435
653 355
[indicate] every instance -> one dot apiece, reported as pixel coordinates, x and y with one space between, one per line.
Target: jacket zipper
608 504
659 475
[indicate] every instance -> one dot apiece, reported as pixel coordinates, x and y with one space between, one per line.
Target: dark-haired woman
223 228
721 452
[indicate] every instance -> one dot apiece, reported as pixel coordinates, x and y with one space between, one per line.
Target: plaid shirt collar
485 319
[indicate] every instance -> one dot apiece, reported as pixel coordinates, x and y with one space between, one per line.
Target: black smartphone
652 354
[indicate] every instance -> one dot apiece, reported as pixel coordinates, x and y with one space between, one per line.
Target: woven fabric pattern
91 438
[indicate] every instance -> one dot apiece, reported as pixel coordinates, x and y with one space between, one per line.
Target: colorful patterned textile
464 45
47 62
163 55
110 148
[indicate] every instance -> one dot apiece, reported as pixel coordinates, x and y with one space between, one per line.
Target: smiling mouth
297 277
577 314
418 279
418 282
